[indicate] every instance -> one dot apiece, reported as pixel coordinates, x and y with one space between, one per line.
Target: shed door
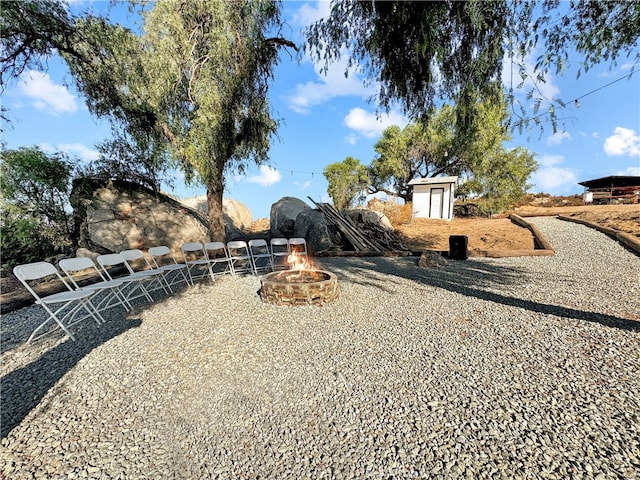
436 203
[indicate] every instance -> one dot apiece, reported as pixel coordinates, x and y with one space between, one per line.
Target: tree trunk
215 190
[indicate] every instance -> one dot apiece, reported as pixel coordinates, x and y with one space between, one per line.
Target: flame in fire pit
299 262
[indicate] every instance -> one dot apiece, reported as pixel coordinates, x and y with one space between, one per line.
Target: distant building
612 189
433 197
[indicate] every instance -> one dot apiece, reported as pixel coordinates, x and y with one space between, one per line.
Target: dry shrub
260 225
546 200
398 214
376 205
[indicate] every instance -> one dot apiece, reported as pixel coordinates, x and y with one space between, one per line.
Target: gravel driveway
508 368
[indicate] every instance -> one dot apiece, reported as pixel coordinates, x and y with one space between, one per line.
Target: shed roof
433 180
612 181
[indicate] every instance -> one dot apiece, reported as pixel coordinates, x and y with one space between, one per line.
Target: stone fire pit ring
299 287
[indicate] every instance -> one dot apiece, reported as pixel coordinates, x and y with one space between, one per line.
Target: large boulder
283 216
313 226
198 203
111 217
237 219
236 215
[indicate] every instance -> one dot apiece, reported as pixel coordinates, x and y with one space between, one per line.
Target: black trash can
458 247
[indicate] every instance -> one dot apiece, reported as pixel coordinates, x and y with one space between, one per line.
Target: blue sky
326 118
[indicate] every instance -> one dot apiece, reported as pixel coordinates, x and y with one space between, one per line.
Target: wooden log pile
366 237
389 239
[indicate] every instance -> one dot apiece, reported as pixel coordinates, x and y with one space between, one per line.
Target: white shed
433 197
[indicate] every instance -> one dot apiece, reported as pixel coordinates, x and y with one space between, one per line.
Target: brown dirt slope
483 234
502 234
623 218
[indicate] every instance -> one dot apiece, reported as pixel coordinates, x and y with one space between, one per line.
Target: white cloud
303 186
309 13
635 171
553 178
369 125
268 176
626 67
46 95
624 141
236 177
558 137
330 85
351 139
327 85
78 150
548 160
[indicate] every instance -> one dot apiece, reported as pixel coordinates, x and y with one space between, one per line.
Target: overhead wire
576 101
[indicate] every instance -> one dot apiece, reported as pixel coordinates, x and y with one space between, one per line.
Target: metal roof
432 180
612 181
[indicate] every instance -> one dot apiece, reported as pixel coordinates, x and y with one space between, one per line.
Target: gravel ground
508 368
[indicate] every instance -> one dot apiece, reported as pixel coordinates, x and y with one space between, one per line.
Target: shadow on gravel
470 278
24 388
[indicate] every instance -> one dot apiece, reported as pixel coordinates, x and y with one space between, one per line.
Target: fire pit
299 287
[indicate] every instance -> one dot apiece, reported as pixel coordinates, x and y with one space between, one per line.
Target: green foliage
422 149
209 76
419 52
194 84
34 193
432 148
25 239
34 182
601 31
124 159
347 182
501 178
424 53
109 70
31 31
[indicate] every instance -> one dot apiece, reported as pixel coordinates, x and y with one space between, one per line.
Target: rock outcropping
283 216
313 226
291 217
115 216
237 217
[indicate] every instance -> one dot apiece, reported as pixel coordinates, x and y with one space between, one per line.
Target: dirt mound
624 218
483 234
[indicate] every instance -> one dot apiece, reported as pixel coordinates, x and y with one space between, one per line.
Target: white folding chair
63 308
260 255
115 266
280 253
298 245
239 257
82 269
219 261
196 260
164 261
141 266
